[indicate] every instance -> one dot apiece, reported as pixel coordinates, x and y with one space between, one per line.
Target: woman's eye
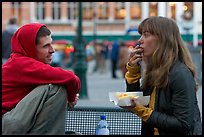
146 34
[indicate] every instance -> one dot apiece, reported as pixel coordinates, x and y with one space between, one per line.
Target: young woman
168 76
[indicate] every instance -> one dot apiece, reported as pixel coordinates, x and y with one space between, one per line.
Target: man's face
45 50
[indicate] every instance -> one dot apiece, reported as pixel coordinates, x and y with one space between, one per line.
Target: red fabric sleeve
32 72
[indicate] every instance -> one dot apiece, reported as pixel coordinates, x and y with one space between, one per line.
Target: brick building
105 19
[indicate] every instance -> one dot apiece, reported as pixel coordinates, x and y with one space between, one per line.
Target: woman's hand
134 103
135 56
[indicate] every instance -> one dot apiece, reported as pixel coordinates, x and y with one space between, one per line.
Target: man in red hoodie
35 95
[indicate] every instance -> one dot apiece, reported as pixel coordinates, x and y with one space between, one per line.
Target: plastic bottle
102 127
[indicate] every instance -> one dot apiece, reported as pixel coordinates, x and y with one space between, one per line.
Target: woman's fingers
137 50
135 56
134 101
134 61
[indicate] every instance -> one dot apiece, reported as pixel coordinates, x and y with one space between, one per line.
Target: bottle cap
103 117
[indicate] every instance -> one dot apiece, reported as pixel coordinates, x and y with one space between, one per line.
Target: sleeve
143 112
132 77
36 73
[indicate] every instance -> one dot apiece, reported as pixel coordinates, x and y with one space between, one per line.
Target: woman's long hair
170 48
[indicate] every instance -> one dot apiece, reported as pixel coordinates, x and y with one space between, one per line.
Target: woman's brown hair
170 48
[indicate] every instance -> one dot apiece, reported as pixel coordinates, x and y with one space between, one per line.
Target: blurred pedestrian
35 95
114 59
6 38
169 77
123 58
97 47
103 53
90 57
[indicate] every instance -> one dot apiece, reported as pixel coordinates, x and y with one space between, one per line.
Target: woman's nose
141 40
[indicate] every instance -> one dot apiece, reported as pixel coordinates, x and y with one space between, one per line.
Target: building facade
104 19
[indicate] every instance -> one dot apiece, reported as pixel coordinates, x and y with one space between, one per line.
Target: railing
83 120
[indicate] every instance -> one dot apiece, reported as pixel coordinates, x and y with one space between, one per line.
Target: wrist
133 69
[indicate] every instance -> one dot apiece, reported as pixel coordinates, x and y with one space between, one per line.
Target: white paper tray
115 97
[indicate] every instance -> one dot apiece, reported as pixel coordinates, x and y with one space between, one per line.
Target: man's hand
71 105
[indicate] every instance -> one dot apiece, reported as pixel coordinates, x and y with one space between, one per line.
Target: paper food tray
124 98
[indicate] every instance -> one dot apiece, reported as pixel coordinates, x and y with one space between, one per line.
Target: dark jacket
114 51
6 40
176 109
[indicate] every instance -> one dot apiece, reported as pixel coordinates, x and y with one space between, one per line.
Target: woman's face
148 43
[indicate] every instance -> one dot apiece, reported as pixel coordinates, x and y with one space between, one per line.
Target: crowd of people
103 56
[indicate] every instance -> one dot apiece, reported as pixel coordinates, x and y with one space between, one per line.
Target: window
188 10
40 11
16 9
153 8
172 9
56 14
120 12
102 12
88 10
135 10
72 10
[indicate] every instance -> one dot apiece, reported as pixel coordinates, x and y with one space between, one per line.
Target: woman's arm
132 78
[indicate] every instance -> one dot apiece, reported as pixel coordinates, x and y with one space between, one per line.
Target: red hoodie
22 72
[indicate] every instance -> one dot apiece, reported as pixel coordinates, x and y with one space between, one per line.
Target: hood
23 40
